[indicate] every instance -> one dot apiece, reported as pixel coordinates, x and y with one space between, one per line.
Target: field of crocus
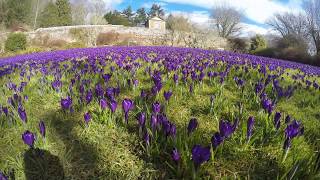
157 113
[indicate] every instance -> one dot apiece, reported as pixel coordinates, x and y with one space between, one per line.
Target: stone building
156 23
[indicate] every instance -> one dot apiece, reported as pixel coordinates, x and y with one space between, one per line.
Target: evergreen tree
3 11
18 11
49 16
141 16
56 14
116 18
64 12
156 10
128 12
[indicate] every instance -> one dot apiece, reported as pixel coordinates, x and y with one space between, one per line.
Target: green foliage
56 14
141 16
15 42
238 45
116 18
266 52
64 12
17 11
257 43
128 12
156 10
3 10
49 16
80 35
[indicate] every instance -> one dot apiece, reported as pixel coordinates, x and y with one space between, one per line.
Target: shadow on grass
41 164
81 155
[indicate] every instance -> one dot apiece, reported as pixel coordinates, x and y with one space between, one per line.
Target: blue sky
256 11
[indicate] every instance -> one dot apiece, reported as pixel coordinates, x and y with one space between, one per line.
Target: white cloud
258 11
148 5
202 20
249 30
197 17
108 4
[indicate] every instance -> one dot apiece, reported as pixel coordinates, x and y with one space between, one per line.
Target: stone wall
65 32
88 35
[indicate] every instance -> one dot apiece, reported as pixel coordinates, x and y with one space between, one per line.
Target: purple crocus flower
110 92
66 103
106 77
103 104
216 139
22 114
156 107
135 82
276 120
99 90
2 176
225 128
87 117
267 105
89 97
5 110
56 85
175 78
193 124
167 95
141 119
113 105
28 138
146 138
294 129
250 125
239 82
42 129
191 88
173 130
200 155
175 155
127 105
143 94
153 121
287 144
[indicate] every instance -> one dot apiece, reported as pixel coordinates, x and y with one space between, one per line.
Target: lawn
158 113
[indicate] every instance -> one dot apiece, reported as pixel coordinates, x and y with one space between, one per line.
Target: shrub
294 54
15 42
107 38
257 43
266 52
78 34
238 45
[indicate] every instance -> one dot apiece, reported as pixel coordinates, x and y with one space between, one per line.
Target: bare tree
226 20
97 10
79 13
289 24
311 8
178 27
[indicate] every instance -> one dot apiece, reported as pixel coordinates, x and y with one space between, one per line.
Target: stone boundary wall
92 31
137 35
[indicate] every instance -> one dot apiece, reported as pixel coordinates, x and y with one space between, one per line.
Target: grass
110 149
